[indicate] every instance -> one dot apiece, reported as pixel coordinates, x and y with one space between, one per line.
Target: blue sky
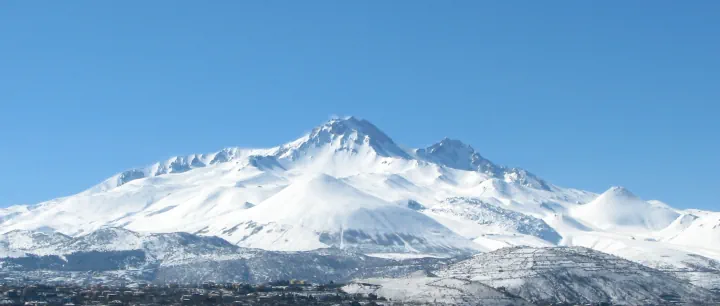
587 94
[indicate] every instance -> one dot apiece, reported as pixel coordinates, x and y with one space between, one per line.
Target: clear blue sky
586 94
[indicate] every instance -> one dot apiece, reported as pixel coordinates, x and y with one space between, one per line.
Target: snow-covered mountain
457 155
348 185
619 209
339 185
321 210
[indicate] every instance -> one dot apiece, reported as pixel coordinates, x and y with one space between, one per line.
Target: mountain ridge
323 134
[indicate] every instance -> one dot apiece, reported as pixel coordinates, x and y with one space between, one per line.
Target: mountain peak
345 134
456 154
619 191
618 207
343 126
450 142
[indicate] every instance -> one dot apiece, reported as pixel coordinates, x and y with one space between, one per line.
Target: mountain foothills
348 190
541 275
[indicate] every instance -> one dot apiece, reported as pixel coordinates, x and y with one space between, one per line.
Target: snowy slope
696 265
458 155
321 211
178 164
432 290
114 255
167 247
574 275
9 213
473 218
703 232
679 225
518 275
31 240
619 209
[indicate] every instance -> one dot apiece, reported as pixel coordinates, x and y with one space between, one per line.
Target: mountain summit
336 136
619 208
348 134
458 155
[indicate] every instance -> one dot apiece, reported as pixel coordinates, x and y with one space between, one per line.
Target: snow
703 232
619 209
325 210
686 263
432 290
169 247
458 155
539 276
401 256
573 275
29 240
116 255
473 217
679 225
9 213
498 241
